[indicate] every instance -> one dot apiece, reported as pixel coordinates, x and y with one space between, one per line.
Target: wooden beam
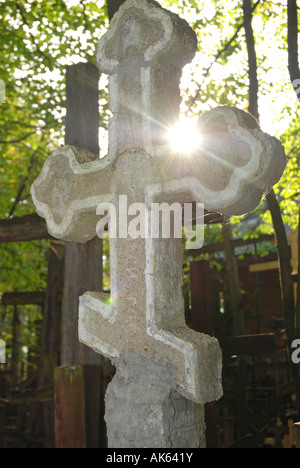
248 344
23 228
265 266
28 397
23 298
219 246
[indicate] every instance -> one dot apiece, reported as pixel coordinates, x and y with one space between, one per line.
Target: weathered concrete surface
144 52
143 412
236 157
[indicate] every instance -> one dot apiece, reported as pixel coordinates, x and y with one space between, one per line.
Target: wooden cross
144 52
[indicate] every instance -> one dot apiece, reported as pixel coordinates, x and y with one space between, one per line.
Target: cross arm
236 163
194 357
68 190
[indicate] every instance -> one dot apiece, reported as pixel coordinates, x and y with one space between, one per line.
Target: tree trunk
293 61
285 268
252 62
232 278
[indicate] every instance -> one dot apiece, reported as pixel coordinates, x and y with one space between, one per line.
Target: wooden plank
248 344
32 396
23 228
219 246
70 430
297 434
266 266
23 298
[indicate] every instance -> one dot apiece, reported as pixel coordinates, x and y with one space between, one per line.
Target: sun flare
184 137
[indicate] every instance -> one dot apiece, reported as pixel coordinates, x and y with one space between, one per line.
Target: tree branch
23 183
41 53
219 55
252 60
18 140
293 63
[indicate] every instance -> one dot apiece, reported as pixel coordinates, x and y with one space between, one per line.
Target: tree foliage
40 38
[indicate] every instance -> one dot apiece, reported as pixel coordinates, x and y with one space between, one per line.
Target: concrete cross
144 52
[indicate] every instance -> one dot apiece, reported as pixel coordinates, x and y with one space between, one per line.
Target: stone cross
140 325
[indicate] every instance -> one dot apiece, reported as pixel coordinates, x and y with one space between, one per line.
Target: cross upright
141 325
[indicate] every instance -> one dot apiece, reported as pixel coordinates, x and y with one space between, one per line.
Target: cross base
142 410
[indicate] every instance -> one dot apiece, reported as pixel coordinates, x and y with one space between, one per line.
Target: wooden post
113 6
2 422
233 282
51 335
202 310
16 347
69 407
297 434
201 296
83 262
